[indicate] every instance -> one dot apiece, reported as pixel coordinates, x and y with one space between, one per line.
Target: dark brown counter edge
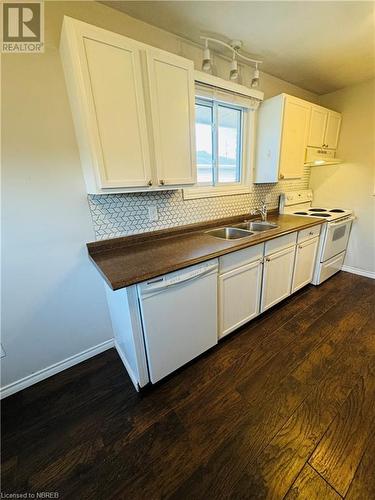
107 247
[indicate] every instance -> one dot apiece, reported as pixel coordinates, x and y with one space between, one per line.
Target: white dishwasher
179 316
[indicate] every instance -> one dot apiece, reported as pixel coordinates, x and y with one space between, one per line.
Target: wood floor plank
338 453
363 484
310 486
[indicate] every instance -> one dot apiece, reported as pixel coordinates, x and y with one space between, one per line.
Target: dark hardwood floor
283 408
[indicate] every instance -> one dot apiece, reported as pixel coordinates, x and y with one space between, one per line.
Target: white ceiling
321 46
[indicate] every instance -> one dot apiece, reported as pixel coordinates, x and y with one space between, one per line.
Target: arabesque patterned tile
116 215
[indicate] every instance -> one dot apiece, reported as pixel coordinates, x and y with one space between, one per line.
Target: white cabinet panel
283 123
294 137
318 123
333 129
304 263
277 277
115 81
239 293
171 80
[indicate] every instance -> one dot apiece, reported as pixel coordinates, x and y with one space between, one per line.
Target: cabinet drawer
277 244
307 234
240 258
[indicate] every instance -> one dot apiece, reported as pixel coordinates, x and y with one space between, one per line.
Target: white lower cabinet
304 263
239 293
277 277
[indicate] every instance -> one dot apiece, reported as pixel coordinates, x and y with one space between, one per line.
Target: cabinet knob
300 246
149 183
268 259
281 176
161 182
311 233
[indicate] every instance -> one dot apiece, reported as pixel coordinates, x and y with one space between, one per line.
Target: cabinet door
239 295
318 123
294 138
117 117
332 130
304 263
171 80
277 277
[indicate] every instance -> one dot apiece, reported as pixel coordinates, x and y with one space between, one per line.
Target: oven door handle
343 221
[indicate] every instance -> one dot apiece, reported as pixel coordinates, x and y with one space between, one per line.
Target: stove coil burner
337 211
317 210
319 215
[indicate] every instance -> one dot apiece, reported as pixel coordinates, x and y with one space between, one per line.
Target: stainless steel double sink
243 230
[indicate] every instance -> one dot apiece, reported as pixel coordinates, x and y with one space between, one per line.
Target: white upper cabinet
332 130
283 123
293 139
171 80
133 109
324 128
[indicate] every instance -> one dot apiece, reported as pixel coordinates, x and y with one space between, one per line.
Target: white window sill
211 191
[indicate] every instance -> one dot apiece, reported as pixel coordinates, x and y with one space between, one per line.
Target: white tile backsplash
117 215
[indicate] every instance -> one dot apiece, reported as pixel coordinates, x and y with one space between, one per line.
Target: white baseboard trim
40 375
361 272
131 373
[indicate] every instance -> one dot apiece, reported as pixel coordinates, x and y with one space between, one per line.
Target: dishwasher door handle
160 285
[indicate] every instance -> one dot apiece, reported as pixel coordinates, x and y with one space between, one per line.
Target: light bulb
206 63
233 75
255 79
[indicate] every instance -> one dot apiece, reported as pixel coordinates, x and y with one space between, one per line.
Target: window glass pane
203 139
229 144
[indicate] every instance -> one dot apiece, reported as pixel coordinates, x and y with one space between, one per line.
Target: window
219 143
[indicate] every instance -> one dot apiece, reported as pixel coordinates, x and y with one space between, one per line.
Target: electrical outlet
153 215
2 351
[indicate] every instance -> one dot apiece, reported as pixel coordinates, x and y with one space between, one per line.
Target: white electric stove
334 235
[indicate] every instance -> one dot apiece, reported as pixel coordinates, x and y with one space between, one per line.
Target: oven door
336 238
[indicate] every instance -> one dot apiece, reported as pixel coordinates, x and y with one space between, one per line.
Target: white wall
54 304
352 184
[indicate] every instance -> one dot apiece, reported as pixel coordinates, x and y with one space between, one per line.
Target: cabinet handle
149 183
161 182
311 233
268 259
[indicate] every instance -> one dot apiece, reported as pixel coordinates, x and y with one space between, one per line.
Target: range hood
320 156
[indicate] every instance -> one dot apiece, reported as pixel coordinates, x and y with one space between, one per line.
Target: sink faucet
262 211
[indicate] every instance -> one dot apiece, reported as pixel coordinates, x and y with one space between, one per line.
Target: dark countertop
132 259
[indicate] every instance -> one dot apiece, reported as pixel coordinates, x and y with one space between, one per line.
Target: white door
277 277
239 296
333 129
304 263
116 113
179 317
336 238
318 123
294 138
171 80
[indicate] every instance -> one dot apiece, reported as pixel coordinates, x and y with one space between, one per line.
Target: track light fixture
234 46
206 63
255 80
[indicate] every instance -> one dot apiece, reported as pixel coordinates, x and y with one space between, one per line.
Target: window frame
245 184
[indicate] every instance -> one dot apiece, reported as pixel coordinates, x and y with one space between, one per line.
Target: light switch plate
153 213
